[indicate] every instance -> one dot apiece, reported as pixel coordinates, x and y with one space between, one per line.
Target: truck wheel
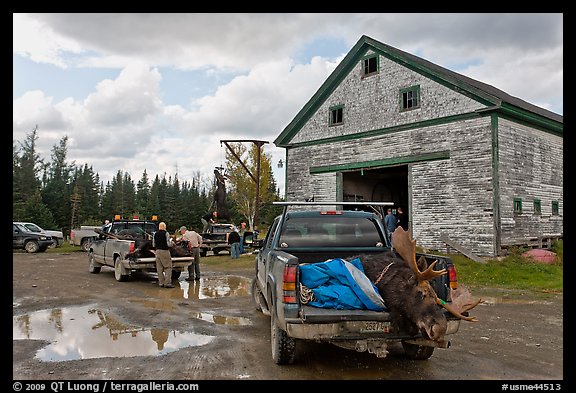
31 246
283 347
119 271
85 244
203 253
417 352
93 267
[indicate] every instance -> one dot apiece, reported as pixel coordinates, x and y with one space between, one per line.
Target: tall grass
514 271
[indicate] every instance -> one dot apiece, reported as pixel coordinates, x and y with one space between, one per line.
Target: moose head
404 284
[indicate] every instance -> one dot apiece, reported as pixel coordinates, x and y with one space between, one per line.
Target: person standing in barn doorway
402 218
390 221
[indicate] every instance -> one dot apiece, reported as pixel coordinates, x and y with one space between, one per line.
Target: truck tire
203 253
175 274
417 352
85 244
119 271
93 267
283 347
32 246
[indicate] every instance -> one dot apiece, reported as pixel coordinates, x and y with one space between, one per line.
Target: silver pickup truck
127 247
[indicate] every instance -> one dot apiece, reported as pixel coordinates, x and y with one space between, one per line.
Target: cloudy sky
157 92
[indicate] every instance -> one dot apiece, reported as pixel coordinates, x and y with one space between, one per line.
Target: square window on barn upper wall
370 65
410 98
336 115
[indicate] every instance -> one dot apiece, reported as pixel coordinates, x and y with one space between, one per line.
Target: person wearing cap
194 242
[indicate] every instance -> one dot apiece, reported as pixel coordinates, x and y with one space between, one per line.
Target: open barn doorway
378 185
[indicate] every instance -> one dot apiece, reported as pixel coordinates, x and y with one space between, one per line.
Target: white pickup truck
126 245
83 236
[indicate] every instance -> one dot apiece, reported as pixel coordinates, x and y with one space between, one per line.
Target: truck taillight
330 212
453 277
289 284
132 247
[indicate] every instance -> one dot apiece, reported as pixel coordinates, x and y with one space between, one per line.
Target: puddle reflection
87 332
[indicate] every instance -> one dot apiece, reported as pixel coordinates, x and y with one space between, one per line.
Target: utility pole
256 178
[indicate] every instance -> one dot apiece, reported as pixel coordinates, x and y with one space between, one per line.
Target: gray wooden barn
468 163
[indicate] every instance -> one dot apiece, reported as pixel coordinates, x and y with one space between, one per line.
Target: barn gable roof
504 103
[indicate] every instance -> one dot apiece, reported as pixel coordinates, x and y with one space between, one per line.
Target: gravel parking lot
69 324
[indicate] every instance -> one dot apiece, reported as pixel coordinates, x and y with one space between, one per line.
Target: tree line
58 194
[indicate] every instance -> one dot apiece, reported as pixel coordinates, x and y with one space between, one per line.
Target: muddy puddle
87 332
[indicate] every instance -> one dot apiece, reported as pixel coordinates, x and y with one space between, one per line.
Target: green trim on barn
480 92
530 119
517 205
389 130
495 183
354 166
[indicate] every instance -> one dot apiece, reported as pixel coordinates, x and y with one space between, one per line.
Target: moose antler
458 313
406 248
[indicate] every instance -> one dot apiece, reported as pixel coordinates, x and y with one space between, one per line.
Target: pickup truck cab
315 235
125 245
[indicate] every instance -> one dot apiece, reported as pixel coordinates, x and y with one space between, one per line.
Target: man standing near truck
194 242
163 258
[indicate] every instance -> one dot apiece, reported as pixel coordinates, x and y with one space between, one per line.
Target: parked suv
25 239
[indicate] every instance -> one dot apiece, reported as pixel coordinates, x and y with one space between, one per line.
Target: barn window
555 208
410 98
369 65
518 205
537 206
336 115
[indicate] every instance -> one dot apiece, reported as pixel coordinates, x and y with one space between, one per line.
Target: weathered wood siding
530 167
374 102
452 196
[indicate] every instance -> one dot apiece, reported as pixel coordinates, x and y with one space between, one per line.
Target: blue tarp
341 284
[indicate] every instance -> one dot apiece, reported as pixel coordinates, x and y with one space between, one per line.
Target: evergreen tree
143 196
56 190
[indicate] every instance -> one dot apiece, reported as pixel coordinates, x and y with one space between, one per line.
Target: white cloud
130 98
124 125
35 108
35 39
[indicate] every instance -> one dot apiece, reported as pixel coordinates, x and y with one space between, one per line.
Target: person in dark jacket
402 220
233 238
162 242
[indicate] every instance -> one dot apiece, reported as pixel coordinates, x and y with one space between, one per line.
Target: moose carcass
404 285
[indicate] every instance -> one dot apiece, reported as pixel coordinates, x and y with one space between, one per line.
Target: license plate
383 327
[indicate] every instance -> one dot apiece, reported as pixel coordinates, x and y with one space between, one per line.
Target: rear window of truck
330 231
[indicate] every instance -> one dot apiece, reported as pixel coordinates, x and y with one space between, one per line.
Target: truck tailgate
312 314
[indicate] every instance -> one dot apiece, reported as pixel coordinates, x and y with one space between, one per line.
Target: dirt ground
69 324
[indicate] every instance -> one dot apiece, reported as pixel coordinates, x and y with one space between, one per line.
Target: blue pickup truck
315 232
